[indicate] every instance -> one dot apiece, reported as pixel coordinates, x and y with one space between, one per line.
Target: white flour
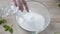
31 22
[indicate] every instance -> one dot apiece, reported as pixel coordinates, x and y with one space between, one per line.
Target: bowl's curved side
45 12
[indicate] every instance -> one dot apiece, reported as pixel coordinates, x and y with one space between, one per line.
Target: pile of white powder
31 21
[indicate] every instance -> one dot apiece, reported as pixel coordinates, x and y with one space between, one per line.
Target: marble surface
54 24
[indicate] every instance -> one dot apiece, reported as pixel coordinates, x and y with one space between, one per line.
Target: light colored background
53 27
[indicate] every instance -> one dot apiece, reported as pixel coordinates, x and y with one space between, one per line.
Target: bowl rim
47 11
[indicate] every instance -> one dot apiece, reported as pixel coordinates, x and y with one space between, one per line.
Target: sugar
31 21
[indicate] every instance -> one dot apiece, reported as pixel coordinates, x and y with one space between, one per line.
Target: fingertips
21 8
27 9
20 5
15 2
25 4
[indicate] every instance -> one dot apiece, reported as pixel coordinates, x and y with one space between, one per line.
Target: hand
20 3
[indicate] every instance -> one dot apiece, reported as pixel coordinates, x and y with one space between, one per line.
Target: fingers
15 2
25 4
19 4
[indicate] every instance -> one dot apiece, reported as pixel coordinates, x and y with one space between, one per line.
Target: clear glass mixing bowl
40 8
35 6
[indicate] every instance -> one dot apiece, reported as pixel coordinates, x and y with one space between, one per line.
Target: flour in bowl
31 21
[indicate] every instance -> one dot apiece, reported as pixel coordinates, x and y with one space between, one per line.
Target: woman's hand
20 3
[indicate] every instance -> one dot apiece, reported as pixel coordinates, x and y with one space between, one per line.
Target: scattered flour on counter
31 22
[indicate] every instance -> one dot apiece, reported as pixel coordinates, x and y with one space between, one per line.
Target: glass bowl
39 8
34 6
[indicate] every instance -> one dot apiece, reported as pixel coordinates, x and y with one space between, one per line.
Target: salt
31 21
